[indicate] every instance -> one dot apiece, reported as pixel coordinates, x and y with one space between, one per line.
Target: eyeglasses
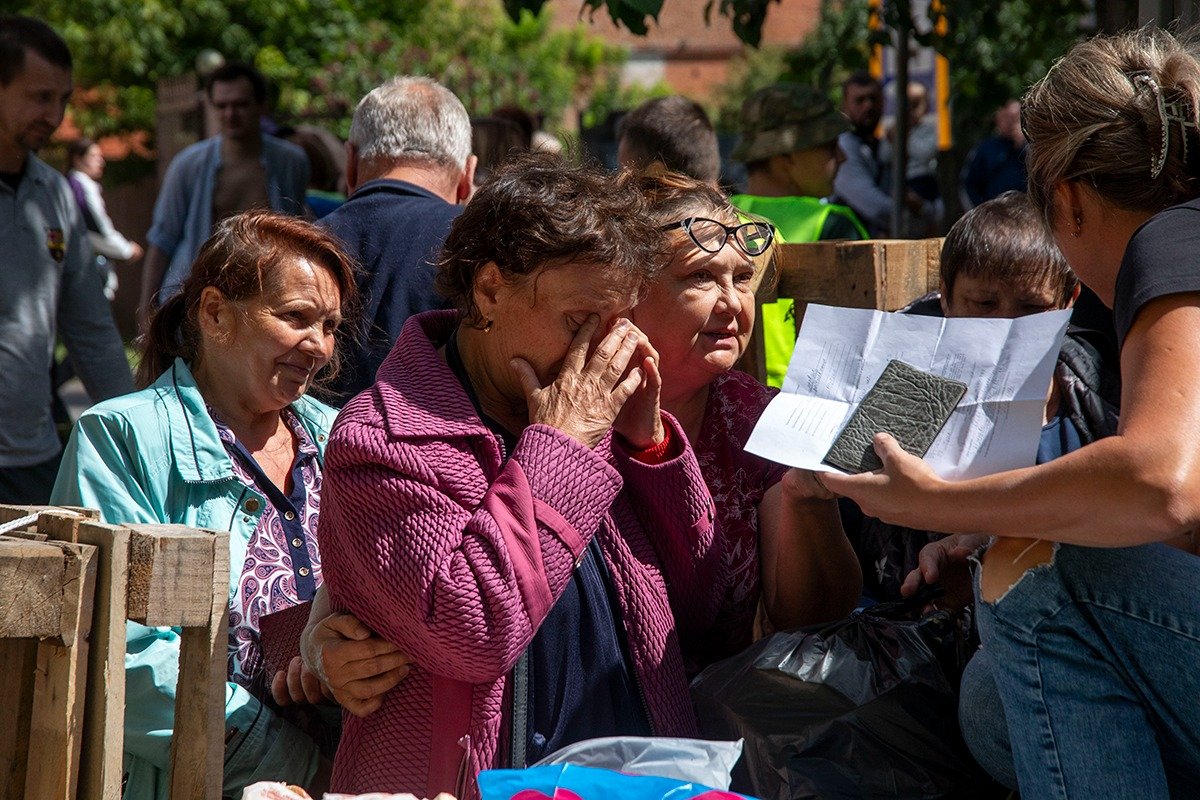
710 236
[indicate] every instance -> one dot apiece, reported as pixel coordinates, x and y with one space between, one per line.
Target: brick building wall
689 56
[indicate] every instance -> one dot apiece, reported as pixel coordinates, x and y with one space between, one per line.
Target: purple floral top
268 580
737 482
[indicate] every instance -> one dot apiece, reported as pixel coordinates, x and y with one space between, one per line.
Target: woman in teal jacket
225 438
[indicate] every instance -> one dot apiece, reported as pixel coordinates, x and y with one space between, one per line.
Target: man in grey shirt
860 181
49 283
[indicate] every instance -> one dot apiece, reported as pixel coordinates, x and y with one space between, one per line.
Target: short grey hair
412 119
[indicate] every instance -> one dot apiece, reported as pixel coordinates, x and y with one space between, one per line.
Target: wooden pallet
884 274
68 583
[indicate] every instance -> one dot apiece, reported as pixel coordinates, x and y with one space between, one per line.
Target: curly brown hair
239 260
539 211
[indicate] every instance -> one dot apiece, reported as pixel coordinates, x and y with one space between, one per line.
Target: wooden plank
60 525
904 268
104 712
833 273
29 536
879 274
18 660
59 687
170 575
198 743
32 576
8 513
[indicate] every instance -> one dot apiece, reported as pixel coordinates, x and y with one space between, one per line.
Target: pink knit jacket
457 558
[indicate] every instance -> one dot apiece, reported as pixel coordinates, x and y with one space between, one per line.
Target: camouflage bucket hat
785 117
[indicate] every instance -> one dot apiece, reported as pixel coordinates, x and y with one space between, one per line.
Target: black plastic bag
859 708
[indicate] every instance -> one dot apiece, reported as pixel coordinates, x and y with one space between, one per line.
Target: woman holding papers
1094 625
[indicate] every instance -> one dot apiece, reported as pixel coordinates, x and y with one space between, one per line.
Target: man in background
998 163
49 284
408 167
671 134
860 182
790 147
239 169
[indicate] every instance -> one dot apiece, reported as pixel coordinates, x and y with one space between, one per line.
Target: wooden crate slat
170 575
58 522
104 716
18 657
59 686
198 743
32 574
876 273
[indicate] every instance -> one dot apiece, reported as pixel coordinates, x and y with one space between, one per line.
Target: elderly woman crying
509 493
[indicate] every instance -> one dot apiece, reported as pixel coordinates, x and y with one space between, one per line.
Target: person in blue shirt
409 169
239 169
998 164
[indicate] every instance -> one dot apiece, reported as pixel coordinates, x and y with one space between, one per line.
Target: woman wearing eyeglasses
699 314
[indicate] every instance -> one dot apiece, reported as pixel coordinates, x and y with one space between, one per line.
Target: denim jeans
981 717
1097 659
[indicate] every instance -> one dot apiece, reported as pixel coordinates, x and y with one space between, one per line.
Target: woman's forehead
585 286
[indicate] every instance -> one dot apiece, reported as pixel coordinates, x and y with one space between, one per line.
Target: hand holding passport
905 402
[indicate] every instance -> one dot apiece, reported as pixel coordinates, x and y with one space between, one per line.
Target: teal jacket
154 456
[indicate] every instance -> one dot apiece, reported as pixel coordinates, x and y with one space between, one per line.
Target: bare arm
810 573
1142 485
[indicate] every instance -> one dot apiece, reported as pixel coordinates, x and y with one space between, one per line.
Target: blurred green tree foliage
746 17
323 55
995 49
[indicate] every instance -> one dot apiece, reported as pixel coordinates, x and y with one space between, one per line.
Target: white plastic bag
692 760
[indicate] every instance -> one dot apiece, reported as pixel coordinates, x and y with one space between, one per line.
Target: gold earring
1078 225
487 326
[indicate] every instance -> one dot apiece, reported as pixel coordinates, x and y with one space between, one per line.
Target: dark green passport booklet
909 404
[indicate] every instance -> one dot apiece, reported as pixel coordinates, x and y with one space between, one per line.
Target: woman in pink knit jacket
509 487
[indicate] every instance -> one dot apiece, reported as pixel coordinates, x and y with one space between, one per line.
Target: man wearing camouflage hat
790 148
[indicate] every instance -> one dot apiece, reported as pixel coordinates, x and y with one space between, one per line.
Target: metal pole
900 129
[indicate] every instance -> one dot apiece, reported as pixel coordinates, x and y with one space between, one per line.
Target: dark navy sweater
395 231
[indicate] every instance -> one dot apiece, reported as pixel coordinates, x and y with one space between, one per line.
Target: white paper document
1007 365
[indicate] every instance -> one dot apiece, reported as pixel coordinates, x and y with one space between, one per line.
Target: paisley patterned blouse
268 579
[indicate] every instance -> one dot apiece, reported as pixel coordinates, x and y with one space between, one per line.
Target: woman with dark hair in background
224 437
85 168
494 140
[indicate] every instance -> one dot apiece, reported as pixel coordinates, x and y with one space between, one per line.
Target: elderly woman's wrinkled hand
901 493
357 667
297 684
588 394
640 420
